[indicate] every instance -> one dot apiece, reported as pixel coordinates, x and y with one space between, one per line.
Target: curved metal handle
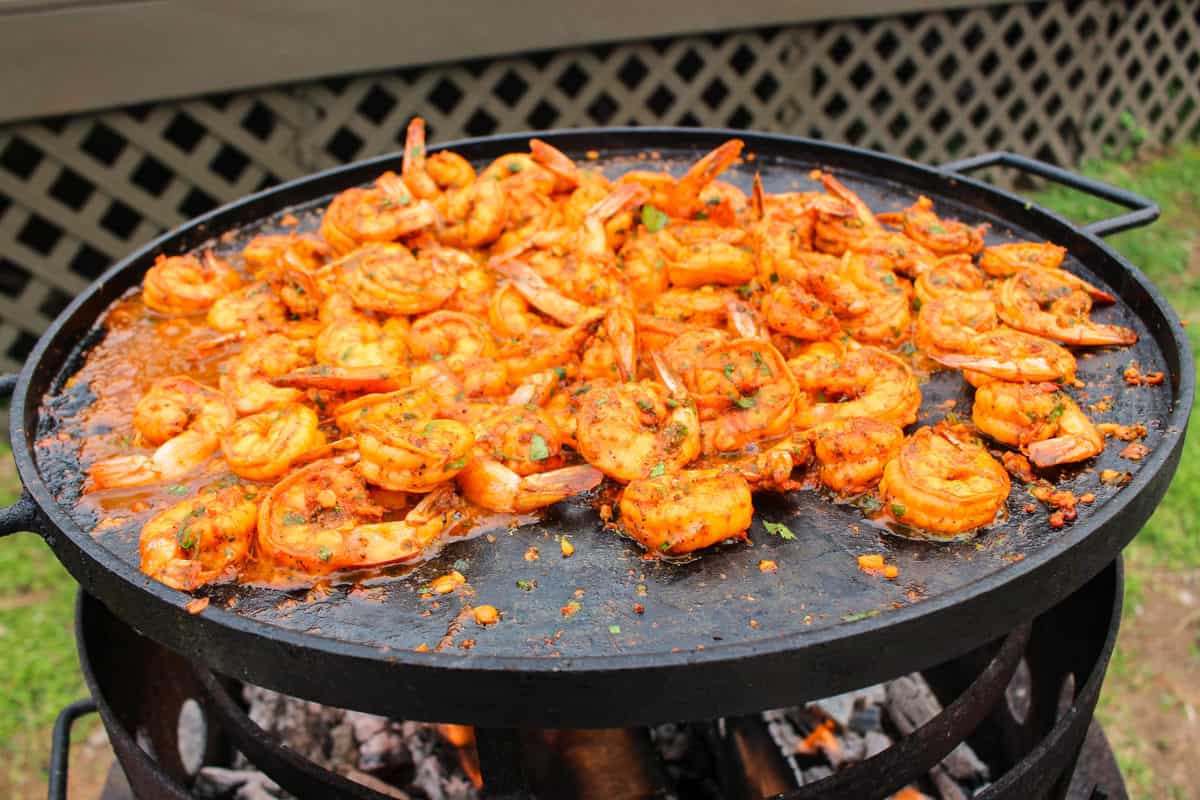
1142 210
21 515
60 748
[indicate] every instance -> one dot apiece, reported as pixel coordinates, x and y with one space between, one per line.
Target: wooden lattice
1058 81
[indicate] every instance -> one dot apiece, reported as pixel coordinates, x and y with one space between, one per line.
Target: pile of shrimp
455 340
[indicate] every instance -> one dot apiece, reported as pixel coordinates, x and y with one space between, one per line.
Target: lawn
1151 697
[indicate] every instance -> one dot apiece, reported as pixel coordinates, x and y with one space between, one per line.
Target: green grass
37 647
1166 252
1169 253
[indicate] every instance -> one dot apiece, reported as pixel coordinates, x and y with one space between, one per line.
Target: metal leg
500 762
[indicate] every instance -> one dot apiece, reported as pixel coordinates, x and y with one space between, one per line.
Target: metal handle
60 748
21 515
1142 211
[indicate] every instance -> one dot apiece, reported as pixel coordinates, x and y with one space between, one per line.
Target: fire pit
1012 719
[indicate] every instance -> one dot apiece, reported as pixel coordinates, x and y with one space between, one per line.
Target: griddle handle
60 748
1141 210
23 514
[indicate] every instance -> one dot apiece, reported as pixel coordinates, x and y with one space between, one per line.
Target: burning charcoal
865 720
877 742
964 765
781 730
947 787
838 708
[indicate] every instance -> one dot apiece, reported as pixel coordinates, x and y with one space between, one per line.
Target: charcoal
854 748
385 750
877 742
216 782
911 703
814 774
838 708
671 740
865 720
365 725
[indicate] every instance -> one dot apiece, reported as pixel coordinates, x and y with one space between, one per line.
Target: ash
397 759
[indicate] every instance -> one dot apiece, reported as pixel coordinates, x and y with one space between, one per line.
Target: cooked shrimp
517 463
303 251
1039 418
184 419
389 278
701 253
846 381
1003 260
790 310
184 285
643 266
951 324
358 341
903 254
745 393
634 430
552 348
888 315
950 275
320 518
681 512
413 456
1008 355
248 385
472 216
703 307
1057 305
442 334
833 233
252 308
685 197
200 540
380 214
591 273
944 483
265 445
427 176
612 353
851 452
942 236
297 290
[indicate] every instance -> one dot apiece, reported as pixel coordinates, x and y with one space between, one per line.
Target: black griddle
717 636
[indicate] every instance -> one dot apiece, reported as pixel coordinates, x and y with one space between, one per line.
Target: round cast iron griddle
718 635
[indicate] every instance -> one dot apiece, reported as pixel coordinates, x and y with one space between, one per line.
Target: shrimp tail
544 488
1059 450
554 160
534 288
758 199
841 191
685 194
624 196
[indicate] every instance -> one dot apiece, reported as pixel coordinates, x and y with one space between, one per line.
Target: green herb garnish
658 469
654 219
538 451
324 553
779 529
292 518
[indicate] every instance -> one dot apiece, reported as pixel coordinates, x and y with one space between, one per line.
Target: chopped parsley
937 229
587 387
1056 412
526 586
779 529
614 629
898 509
457 463
538 451
654 219
430 427
292 518
870 505
645 405
515 166
177 489
658 469
665 546
561 372
324 553
745 402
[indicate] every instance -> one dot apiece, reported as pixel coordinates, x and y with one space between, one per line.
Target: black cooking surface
721 598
